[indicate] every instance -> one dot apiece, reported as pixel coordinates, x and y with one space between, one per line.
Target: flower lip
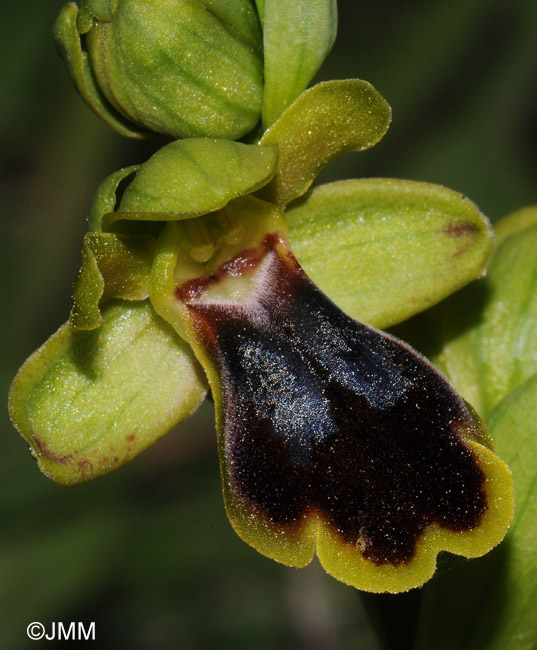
325 418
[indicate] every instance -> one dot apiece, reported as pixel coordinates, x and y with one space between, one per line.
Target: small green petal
297 37
326 120
67 37
491 603
113 266
488 330
385 249
88 402
188 178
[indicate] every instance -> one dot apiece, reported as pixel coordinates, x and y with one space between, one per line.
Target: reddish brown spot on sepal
461 229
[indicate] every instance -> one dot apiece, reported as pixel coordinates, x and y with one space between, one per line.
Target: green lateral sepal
88 402
386 249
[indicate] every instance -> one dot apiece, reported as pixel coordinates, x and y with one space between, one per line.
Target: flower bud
183 68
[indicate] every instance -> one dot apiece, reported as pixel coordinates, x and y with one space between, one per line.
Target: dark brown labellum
325 415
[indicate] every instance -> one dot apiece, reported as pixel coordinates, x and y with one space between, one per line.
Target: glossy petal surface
326 120
386 249
88 402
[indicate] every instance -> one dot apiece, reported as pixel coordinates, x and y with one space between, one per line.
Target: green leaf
491 602
67 39
113 266
488 331
188 178
386 249
88 402
326 120
297 37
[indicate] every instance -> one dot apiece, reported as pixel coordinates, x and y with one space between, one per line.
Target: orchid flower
215 267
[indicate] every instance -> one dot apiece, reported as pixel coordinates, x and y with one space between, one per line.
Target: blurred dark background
147 552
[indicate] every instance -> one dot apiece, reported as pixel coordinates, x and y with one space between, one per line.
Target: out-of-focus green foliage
461 119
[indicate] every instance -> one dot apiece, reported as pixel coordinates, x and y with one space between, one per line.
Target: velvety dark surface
323 413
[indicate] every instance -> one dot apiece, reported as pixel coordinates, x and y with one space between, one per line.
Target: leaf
492 602
386 249
326 120
88 402
188 178
297 37
113 266
488 331
69 45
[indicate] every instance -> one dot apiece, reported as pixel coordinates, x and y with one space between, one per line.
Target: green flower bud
183 68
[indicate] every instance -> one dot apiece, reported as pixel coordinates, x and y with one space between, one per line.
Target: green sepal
105 199
181 68
113 266
67 38
386 249
297 36
88 402
491 603
487 332
326 120
192 177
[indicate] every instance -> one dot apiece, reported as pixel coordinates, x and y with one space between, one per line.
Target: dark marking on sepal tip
461 229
